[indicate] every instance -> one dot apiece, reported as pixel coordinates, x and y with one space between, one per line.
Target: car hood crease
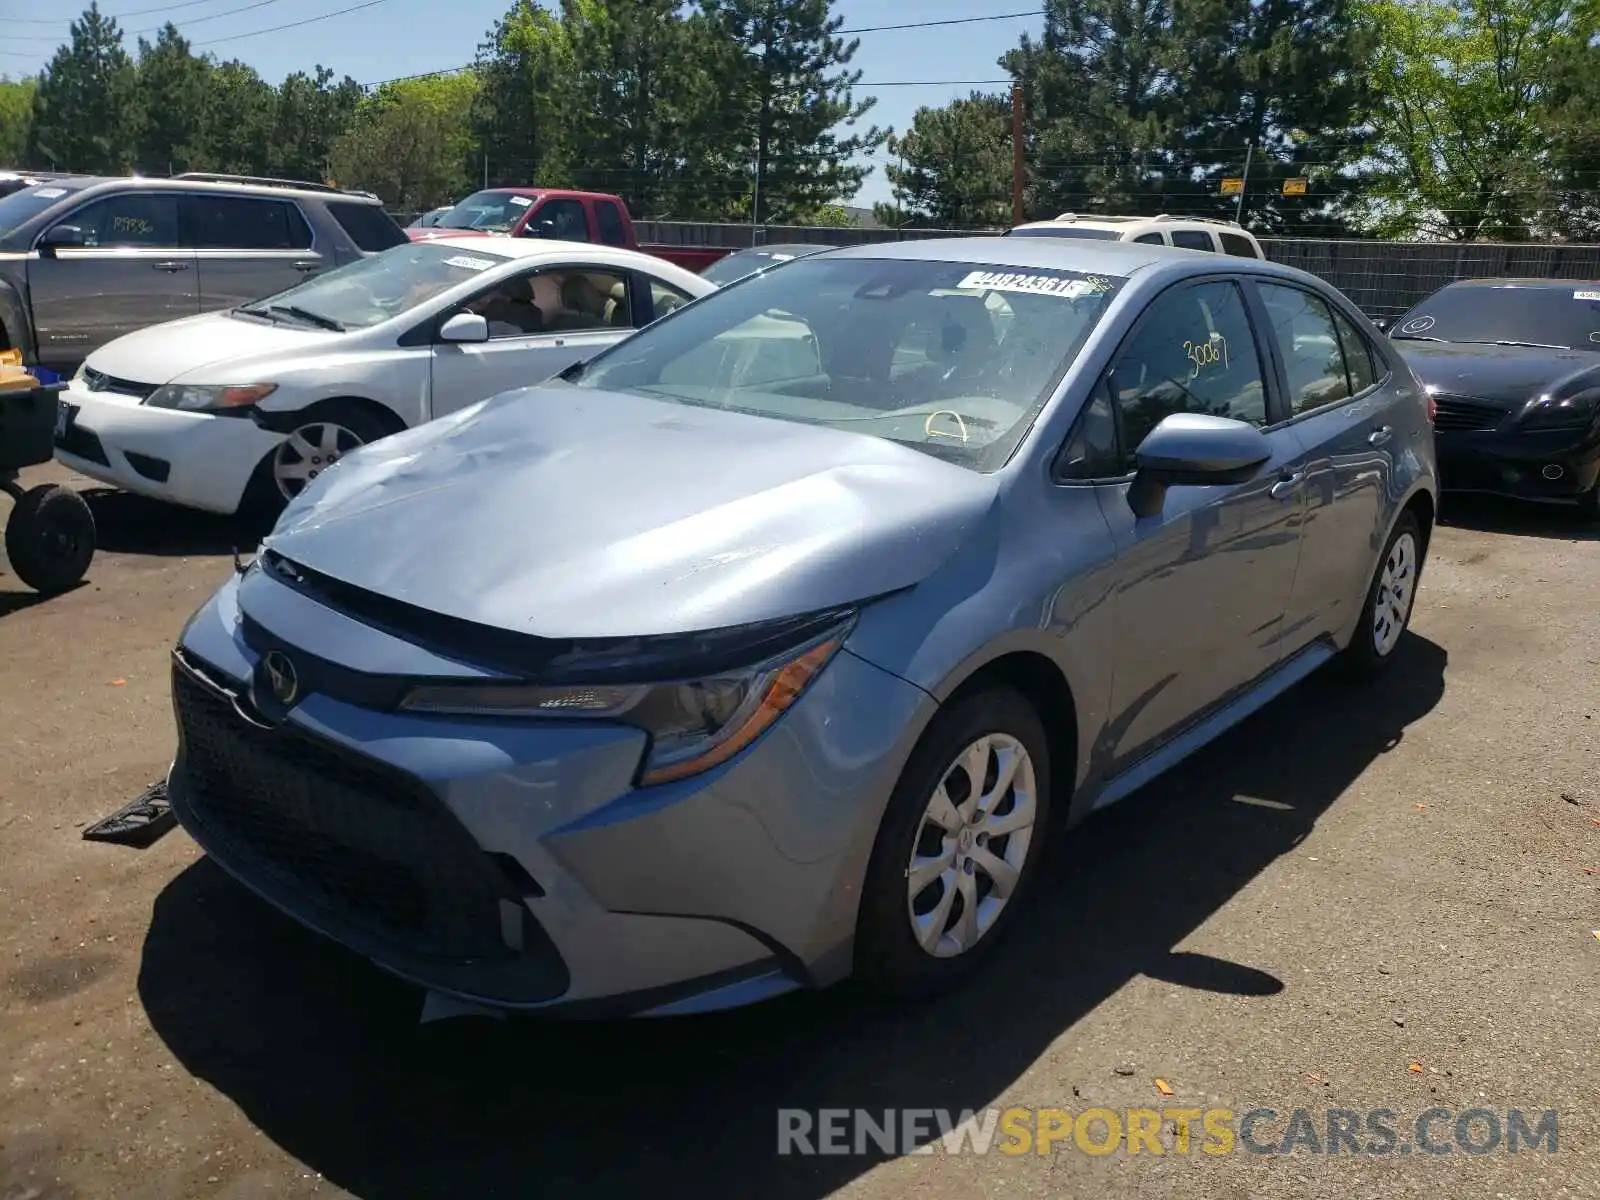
575 513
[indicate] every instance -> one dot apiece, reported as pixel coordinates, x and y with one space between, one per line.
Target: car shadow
325 1055
128 524
1520 518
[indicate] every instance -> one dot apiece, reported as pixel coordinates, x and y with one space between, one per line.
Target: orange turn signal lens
779 692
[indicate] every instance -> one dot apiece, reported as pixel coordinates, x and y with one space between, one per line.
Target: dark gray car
84 260
762 649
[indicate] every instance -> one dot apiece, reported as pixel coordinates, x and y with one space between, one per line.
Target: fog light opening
1553 471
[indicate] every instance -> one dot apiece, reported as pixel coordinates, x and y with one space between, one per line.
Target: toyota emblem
281 677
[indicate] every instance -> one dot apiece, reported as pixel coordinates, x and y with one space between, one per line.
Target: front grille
372 850
99 381
1459 413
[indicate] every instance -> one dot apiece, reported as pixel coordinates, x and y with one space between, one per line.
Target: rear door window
369 227
1312 356
1151 239
1193 239
612 231
1359 359
244 223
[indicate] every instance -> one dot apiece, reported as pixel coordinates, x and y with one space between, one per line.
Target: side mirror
465 327
58 236
1381 324
1193 450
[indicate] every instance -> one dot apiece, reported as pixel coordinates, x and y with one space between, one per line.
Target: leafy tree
1098 88
16 117
787 91
523 112
1461 151
1287 77
954 166
411 142
171 89
1570 103
82 105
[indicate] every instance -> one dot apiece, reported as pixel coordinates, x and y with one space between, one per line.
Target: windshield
1565 316
953 359
30 202
748 262
1069 231
493 211
375 289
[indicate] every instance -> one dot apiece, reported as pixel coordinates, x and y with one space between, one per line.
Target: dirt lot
1352 882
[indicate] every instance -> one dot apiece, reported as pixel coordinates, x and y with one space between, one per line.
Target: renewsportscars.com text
1377 1132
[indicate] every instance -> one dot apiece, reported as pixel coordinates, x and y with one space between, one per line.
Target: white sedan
242 408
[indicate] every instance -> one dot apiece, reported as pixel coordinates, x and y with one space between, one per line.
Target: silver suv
84 260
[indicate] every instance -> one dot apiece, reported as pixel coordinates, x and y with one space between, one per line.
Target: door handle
1287 485
1379 436
305 265
170 266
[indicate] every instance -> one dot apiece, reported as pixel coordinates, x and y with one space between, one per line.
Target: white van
1187 233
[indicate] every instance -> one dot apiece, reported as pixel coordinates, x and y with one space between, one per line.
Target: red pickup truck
552 213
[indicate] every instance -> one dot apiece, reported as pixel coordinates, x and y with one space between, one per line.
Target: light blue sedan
758 651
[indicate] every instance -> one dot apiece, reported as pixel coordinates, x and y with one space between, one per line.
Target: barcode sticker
467 263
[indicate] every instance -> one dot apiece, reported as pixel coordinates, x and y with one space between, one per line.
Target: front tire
323 434
50 538
958 845
1391 597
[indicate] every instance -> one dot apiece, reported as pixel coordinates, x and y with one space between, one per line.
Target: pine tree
786 88
235 133
311 112
954 168
1098 87
1287 78
642 97
171 92
523 112
82 105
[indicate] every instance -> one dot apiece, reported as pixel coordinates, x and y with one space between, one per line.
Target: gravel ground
1353 882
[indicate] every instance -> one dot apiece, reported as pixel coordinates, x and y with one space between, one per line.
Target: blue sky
403 37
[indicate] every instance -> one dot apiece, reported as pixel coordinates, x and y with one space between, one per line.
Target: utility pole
1017 169
1238 206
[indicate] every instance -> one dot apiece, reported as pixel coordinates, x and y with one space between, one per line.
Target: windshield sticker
1594 337
51 193
1210 353
521 201
1037 285
1586 295
1417 325
468 263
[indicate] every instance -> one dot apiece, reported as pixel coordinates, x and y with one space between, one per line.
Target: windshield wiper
1412 337
256 312
305 314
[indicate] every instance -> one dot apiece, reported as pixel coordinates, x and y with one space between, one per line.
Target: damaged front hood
569 513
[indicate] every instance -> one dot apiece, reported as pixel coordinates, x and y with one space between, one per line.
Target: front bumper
513 864
194 459
1553 464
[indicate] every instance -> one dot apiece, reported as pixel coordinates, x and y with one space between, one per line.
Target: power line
154 28
117 16
338 12
1011 16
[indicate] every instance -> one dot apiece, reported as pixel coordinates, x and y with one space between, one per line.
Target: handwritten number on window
1210 353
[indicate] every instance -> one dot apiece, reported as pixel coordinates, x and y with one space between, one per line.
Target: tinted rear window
1069 231
1233 243
1193 239
611 231
369 226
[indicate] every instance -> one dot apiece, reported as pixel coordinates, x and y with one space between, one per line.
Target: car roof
1560 284
794 248
231 186
1108 258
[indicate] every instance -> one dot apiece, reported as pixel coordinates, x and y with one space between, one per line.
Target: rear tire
323 434
1391 598
975 842
50 538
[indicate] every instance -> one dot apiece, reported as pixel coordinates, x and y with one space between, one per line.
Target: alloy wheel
307 452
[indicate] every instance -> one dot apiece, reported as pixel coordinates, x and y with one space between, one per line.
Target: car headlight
693 724
1546 412
196 398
